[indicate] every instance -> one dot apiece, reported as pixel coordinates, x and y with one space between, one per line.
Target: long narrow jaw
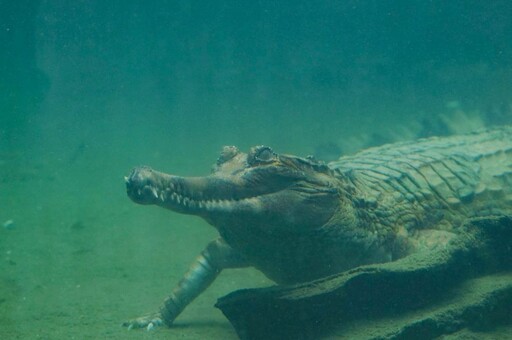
188 195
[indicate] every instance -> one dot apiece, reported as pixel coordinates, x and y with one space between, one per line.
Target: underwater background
90 89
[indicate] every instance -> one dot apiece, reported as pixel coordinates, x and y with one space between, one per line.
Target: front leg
203 271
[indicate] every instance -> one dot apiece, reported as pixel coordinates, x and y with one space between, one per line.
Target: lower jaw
196 207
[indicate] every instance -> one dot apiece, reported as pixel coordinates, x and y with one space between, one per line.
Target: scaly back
469 174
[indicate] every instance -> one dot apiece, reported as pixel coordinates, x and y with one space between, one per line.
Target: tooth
208 205
153 190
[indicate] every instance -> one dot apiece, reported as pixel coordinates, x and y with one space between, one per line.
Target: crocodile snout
141 186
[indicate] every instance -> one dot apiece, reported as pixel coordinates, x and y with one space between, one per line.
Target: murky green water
90 89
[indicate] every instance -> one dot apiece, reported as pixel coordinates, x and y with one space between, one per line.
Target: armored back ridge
297 220
431 184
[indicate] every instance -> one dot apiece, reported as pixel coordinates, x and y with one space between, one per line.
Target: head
260 188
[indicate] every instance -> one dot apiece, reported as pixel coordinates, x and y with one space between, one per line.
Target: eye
264 154
261 154
227 153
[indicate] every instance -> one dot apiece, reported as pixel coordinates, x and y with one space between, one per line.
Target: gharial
297 219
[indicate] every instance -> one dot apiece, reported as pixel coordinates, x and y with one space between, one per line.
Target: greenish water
90 89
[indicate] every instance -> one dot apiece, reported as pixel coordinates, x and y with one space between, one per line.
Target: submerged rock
466 287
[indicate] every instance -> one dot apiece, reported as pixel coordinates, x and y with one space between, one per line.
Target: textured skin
434 183
297 220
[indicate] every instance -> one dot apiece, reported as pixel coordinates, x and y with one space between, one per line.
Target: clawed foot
148 321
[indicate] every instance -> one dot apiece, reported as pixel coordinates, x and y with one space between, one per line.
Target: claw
148 322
